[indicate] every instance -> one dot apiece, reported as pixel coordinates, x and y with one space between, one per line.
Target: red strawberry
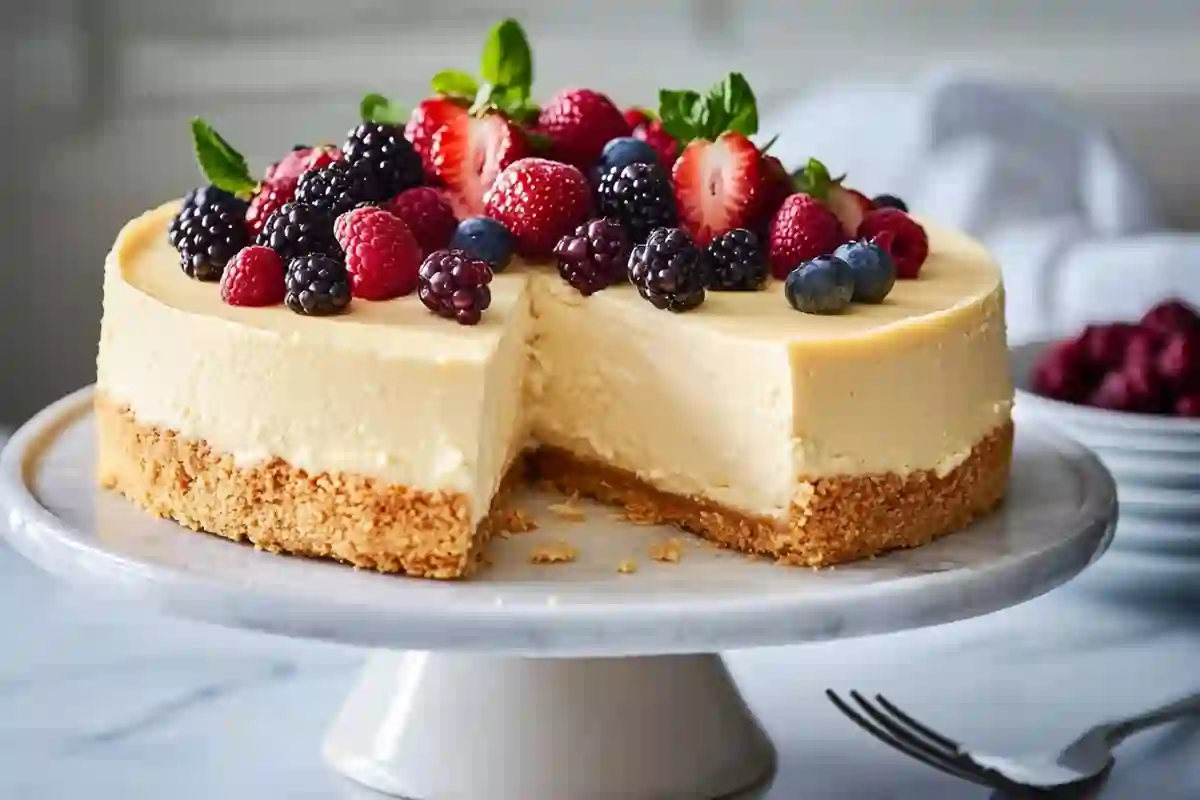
382 255
778 185
539 201
427 214
718 185
909 245
254 277
279 183
802 229
429 115
654 134
579 123
468 154
849 206
637 117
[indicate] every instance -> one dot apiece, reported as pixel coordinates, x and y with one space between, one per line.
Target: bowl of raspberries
1129 390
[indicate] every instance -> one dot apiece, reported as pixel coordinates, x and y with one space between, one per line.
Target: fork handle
1121 729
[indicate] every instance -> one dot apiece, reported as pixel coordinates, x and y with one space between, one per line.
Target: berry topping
298 230
279 184
317 285
340 186
454 285
596 255
427 214
636 117
802 229
848 205
824 285
269 199
209 230
253 277
382 255
539 201
654 134
1187 406
623 151
1171 316
639 197
899 234
889 201
1065 372
1178 363
718 185
777 187
486 239
735 261
667 270
1104 345
469 152
1129 389
873 270
579 122
430 115
381 149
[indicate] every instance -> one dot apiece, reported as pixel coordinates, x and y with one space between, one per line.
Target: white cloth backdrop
1068 215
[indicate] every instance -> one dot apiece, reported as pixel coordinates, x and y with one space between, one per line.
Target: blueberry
821 286
486 239
889 201
873 270
623 151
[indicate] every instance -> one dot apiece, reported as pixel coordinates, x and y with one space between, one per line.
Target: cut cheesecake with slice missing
385 437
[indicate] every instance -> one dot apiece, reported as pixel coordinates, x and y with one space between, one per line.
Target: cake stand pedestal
550 682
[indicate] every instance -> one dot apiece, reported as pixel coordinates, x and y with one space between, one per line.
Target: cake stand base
426 725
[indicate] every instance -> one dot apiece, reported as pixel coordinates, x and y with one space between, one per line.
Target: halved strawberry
469 152
429 115
777 185
719 185
654 134
850 206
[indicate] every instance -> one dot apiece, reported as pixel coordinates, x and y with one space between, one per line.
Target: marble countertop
103 700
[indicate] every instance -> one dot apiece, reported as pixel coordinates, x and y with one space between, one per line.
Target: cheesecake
389 438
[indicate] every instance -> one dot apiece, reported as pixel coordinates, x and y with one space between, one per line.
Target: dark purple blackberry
454 285
889 201
639 196
339 187
209 230
735 262
298 229
667 270
317 285
596 255
382 149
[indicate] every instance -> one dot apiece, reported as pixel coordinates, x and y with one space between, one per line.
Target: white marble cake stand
503 687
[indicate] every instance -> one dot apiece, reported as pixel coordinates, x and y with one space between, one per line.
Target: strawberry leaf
507 60
814 179
454 83
679 110
377 108
221 164
727 106
739 106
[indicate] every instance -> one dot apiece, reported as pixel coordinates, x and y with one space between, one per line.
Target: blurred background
98 92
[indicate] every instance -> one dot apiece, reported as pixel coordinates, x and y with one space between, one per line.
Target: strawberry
802 229
719 185
654 134
637 117
777 186
430 115
579 122
849 205
469 152
539 201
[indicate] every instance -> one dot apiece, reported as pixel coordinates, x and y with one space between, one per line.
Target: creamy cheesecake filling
742 401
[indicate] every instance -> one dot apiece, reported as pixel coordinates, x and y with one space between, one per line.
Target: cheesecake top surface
958 273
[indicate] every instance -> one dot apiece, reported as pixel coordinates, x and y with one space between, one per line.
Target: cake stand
508 686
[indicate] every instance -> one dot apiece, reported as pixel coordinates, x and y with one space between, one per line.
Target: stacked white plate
1155 460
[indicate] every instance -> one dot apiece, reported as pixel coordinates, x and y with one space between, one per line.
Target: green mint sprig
729 105
814 179
377 108
222 165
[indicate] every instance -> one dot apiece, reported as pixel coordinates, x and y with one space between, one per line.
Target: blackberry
889 201
298 229
208 231
317 285
454 284
382 149
667 270
596 255
735 262
639 196
339 187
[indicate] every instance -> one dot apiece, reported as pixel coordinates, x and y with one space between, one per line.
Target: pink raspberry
909 245
382 255
1179 360
253 277
1171 316
427 214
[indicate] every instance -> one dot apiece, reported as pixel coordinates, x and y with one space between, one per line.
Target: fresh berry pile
1148 367
678 200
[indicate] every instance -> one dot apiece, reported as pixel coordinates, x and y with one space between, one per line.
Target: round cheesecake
386 437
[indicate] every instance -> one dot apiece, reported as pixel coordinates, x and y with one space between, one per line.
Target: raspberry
270 198
1141 349
1104 345
667 271
803 229
209 230
1179 360
455 286
382 255
539 201
909 245
254 277
1064 372
317 286
1171 316
1187 406
734 262
297 229
595 256
427 214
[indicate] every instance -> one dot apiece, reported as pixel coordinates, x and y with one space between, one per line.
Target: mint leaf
680 111
377 108
223 166
726 106
507 60
740 107
454 83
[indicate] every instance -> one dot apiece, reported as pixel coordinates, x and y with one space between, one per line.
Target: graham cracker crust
844 519
282 509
